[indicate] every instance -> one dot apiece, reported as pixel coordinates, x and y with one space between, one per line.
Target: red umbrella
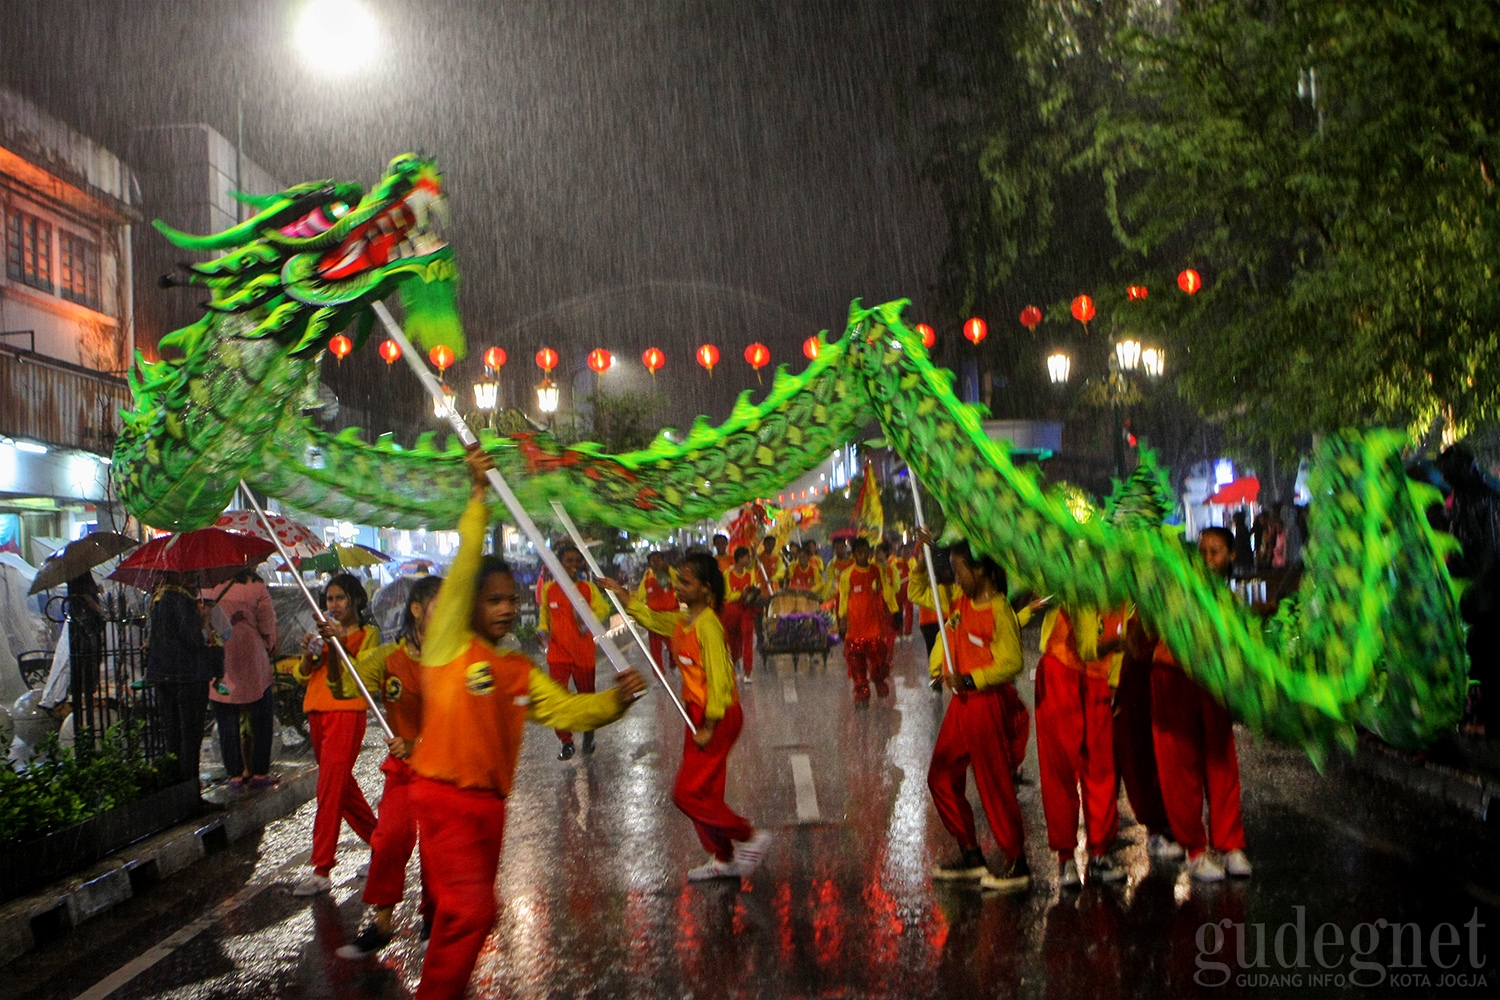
1244 490
215 555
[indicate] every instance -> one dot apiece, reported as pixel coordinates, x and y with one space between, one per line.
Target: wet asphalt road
594 902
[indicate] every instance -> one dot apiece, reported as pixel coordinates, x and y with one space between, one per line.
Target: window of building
80 270
28 250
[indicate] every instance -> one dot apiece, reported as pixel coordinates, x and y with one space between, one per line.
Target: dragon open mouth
412 227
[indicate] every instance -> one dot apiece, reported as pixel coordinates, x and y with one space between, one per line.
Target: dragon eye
338 209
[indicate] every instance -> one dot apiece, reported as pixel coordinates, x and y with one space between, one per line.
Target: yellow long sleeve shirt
701 652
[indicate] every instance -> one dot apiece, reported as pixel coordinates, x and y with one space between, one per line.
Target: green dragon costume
1373 638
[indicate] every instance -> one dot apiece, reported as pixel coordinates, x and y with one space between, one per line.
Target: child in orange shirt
476 698
336 725
865 608
570 645
713 703
394 671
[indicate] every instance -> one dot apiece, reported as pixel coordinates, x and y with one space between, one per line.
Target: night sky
621 174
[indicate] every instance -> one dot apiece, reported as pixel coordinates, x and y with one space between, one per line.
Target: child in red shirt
570 645
658 591
865 608
741 587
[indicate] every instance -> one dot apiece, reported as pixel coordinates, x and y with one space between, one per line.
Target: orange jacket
701 653
866 601
570 640
319 696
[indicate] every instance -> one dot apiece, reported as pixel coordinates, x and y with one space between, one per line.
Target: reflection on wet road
594 902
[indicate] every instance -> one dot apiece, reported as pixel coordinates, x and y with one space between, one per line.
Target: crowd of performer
1112 709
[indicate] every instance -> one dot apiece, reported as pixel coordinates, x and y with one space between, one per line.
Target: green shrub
58 789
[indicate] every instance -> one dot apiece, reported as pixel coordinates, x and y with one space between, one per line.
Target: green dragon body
1373 638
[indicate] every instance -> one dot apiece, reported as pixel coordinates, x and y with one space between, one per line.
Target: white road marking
807 792
789 689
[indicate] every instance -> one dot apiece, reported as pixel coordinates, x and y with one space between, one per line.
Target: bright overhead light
31 447
337 36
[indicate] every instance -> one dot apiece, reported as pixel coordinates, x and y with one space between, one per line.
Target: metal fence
106 644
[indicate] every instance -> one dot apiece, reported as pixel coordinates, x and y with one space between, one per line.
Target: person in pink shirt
245 686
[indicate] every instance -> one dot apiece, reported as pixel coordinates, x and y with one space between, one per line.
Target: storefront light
31 447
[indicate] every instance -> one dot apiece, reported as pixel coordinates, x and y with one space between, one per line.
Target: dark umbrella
77 558
214 554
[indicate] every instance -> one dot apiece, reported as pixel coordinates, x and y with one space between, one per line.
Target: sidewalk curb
1470 792
71 901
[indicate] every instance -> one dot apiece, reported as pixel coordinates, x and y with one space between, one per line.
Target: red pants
868 660
661 651
393 841
1135 753
1194 740
739 633
986 729
461 830
336 739
583 682
1075 746
699 789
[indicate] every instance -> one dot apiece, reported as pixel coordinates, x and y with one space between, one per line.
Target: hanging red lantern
441 357
758 355
1190 281
653 359
546 359
495 358
1083 309
1136 293
928 335
1031 318
390 351
340 346
976 330
810 348
601 360
708 356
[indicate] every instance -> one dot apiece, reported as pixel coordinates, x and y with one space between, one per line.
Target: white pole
640 640
286 557
937 594
523 520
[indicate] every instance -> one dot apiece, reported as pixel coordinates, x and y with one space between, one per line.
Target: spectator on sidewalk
245 688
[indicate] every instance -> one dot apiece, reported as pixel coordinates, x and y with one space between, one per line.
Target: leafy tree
1327 166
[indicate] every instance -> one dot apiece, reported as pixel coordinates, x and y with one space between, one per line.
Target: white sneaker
312 885
712 869
745 679
1067 874
1236 864
1204 869
1164 848
748 854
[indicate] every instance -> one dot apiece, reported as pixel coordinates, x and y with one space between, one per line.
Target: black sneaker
1013 877
1105 869
588 742
566 753
965 868
366 943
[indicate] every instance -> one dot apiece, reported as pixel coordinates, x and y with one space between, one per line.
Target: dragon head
317 255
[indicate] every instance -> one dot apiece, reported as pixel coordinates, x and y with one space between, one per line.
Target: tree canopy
1328 166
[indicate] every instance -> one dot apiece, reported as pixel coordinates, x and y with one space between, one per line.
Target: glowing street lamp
337 36
1059 366
1128 354
546 396
450 400
1154 361
486 394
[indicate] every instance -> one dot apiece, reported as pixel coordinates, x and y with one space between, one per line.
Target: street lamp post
1128 357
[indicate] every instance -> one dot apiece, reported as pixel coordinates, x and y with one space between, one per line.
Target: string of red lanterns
442 358
1190 281
975 330
928 335
1083 309
810 348
708 356
546 359
390 351
1031 318
495 358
